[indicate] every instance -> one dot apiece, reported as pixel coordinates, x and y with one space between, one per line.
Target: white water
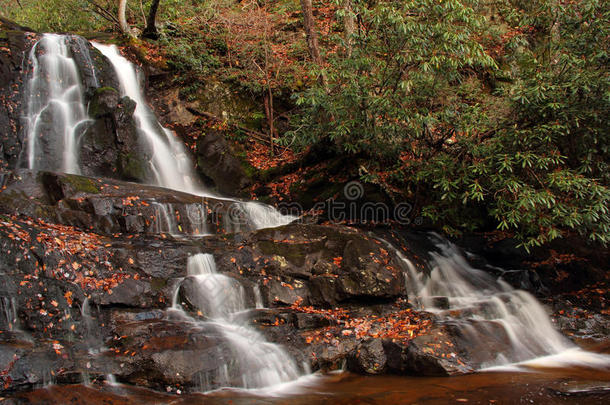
258 362
220 295
190 220
170 164
477 299
265 216
57 117
164 219
56 112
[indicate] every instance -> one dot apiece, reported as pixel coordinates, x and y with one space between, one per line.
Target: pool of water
539 385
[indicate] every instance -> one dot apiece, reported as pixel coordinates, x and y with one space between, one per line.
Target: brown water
550 386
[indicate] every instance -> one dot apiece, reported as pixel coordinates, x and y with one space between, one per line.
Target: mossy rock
104 102
81 184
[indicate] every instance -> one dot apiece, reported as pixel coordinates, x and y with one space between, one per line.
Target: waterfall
255 362
470 298
171 166
56 113
57 117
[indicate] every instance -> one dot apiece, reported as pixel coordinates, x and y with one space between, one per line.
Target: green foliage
529 157
87 15
54 15
545 170
397 90
187 56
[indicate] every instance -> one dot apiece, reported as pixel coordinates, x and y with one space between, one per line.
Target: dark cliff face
15 43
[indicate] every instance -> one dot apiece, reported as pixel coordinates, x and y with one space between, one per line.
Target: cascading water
56 113
255 363
190 220
57 117
165 223
171 165
264 216
459 294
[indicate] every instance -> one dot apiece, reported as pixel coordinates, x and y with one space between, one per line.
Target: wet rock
26 365
285 292
306 321
431 354
110 146
133 293
159 353
333 356
369 357
104 102
315 264
578 322
111 206
216 160
95 70
15 42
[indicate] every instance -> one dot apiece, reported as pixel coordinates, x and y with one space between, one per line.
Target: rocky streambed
99 300
88 278
86 281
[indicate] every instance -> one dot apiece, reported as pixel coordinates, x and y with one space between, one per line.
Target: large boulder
318 265
110 146
95 69
216 160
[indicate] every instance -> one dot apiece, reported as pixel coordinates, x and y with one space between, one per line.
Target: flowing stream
454 291
255 363
485 308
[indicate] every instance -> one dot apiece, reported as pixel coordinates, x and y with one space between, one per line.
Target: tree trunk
268 103
350 26
125 28
310 30
151 29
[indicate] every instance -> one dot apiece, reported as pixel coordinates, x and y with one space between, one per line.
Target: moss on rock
82 184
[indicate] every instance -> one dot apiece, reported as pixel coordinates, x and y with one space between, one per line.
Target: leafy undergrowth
260 156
